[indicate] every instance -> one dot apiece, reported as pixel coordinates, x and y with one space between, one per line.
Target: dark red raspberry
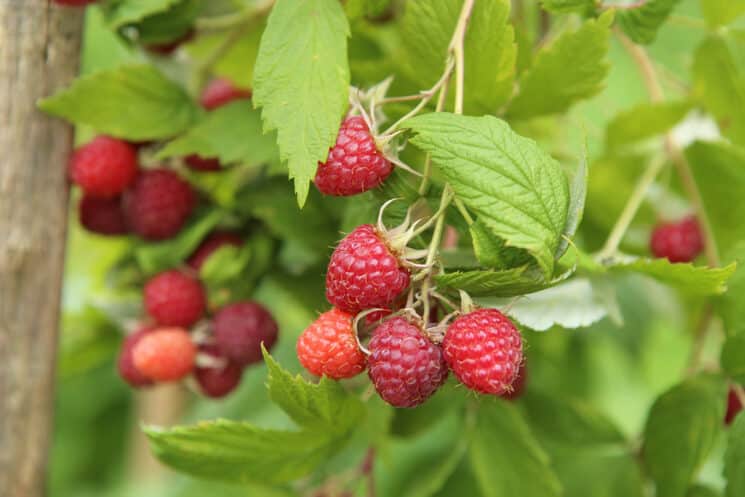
363 273
104 167
169 47
158 204
404 365
484 350
125 364
239 330
211 244
198 163
173 298
165 354
734 406
518 385
354 164
217 381
74 3
220 92
328 347
104 216
678 242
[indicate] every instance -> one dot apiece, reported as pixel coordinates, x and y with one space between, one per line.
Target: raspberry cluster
219 347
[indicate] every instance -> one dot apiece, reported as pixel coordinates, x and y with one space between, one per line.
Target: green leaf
225 264
733 358
133 102
155 257
489 49
118 13
734 459
721 12
681 431
690 279
506 283
702 491
567 6
641 23
595 471
568 421
241 452
573 304
170 25
301 80
325 405
516 189
356 9
719 169
719 80
419 466
231 134
644 121
570 69
729 304
576 211
506 458
491 251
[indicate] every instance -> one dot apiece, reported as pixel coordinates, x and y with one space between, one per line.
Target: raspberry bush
504 264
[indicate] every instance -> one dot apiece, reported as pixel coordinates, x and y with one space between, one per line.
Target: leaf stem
632 206
456 48
694 360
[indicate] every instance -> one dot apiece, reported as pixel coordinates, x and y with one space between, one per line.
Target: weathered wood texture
39 53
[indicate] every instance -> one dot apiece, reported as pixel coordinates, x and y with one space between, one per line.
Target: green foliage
729 305
641 23
571 68
231 134
644 121
721 12
169 25
241 452
566 6
518 191
733 358
302 86
134 102
695 280
119 13
734 459
681 430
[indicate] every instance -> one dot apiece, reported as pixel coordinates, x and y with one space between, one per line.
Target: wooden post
39 53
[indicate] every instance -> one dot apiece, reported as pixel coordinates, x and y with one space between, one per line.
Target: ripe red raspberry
104 216
173 298
125 364
518 385
678 242
165 354
221 91
104 167
74 3
167 48
354 164
211 244
217 381
328 346
404 365
158 204
239 330
734 406
363 273
484 350
199 163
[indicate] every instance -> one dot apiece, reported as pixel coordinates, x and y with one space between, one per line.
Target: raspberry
125 364
404 365
363 272
165 354
104 167
354 164
678 242
173 298
217 381
74 3
158 204
518 385
734 406
198 163
240 329
211 244
484 350
328 346
220 92
104 216
169 47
